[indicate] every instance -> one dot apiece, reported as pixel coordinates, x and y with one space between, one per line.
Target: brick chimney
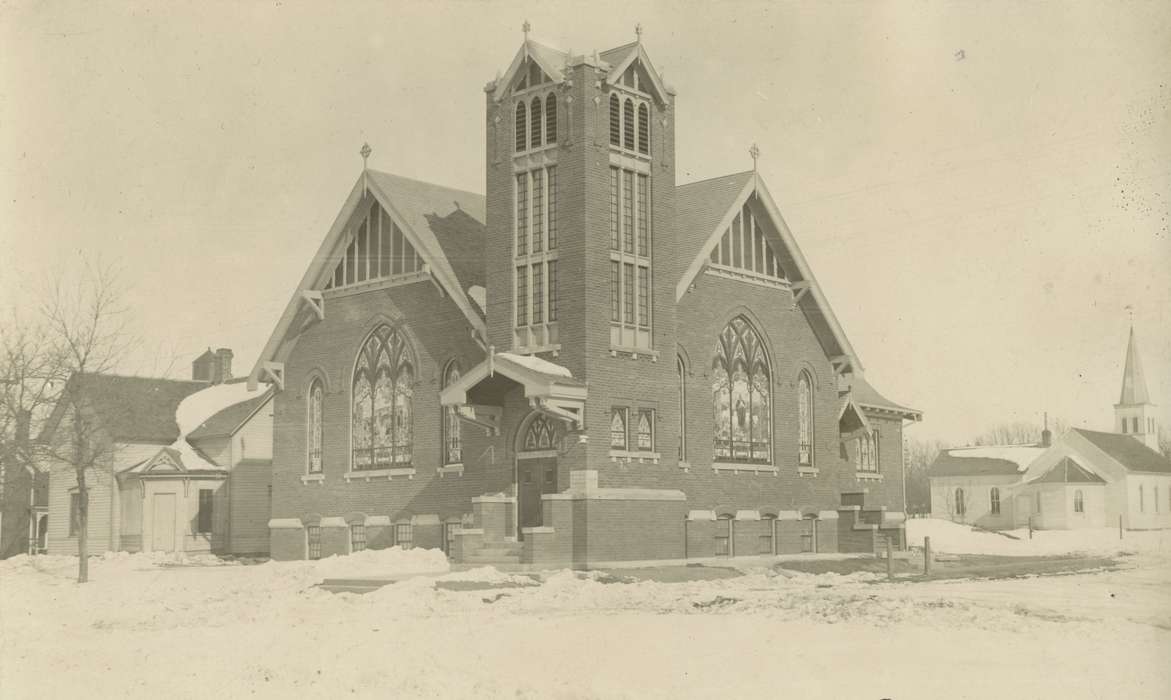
223 366
1046 435
214 367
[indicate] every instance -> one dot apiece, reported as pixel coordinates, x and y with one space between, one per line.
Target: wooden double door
534 476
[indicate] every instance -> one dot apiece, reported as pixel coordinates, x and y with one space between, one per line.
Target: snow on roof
1021 455
536 364
479 295
197 408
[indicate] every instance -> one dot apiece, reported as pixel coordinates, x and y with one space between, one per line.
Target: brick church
588 364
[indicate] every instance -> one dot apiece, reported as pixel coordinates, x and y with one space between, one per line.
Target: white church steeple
1134 414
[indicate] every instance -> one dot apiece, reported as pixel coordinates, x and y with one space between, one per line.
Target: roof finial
1130 310
526 28
638 32
365 153
754 151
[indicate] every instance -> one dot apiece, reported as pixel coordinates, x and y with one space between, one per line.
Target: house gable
532 60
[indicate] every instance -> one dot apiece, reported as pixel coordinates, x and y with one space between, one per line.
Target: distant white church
1085 478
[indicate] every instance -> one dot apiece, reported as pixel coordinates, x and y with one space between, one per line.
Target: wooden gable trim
504 83
713 240
660 93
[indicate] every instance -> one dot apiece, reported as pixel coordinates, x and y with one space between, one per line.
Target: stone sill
538 530
318 478
868 476
630 456
634 353
808 471
457 469
408 472
736 468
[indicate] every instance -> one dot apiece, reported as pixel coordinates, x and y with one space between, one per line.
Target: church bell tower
1134 414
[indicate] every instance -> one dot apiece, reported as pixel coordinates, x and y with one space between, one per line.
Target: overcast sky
981 188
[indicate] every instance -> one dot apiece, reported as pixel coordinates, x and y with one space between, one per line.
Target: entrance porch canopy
550 388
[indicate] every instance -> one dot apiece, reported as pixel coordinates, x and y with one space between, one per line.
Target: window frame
994 500
313 542
450 426
358 542
205 519
649 413
1079 501
315 427
740 333
961 505
399 539
402 380
624 413
808 429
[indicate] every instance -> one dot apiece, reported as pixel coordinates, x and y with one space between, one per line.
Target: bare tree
920 454
31 378
86 325
1017 433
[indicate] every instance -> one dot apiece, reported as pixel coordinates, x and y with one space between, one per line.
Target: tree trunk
82 497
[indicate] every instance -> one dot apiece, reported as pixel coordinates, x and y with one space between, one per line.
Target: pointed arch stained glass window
618 428
741 396
316 409
383 390
452 445
805 423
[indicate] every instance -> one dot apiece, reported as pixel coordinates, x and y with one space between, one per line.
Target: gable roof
812 303
620 59
227 421
700 208
1134 383
136 409
862 393
1127 451
952 462
435 219
1068 471
548 58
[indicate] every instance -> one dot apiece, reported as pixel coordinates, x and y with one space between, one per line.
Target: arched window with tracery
521 135
452 445
805 420
628 124
615 121
741 396
535 122
644 129
551 118
316 410
539 435
383 389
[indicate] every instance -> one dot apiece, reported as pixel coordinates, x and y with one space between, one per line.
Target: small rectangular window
618 416
313 540
644 293
646 430
538 293
522 296
615 293
205 511
522 214
552 206
403 535
357 537
628 292
552 282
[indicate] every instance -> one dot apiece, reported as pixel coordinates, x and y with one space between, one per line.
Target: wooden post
1120 526
1030 527
926 556
890 567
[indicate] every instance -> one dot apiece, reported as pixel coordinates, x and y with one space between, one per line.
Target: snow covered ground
155 626
947 536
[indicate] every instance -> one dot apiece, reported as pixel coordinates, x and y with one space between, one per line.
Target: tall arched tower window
551 119
805 419
741 396
628 124
681 372
644 129
521 135
381 414
452 445
316 410
615 121
536 113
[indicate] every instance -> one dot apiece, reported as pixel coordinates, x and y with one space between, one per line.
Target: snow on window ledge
457 469
313 478
408 472
808 471
736 468
868 476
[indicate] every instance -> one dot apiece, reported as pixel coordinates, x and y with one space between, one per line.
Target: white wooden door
162 538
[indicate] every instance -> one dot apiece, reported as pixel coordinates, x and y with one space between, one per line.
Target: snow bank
383 563
956 538
536 364
1021 455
